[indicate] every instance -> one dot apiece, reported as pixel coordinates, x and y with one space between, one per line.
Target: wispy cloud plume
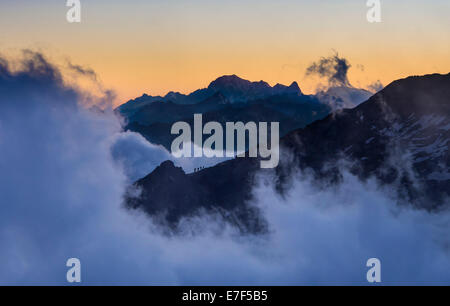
334 68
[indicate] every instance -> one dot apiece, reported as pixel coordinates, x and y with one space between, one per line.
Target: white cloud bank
140 157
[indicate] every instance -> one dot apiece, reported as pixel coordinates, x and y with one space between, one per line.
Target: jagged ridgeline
399 136
232 99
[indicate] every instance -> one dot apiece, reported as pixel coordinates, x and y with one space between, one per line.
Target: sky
153 47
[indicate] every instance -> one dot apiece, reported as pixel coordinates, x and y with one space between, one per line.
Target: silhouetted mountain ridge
227 99
234 88
400 136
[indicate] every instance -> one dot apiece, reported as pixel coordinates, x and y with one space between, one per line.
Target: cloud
325 236
140 157
333 68
62 193
375 86
137 156
88 84
88 72
61 196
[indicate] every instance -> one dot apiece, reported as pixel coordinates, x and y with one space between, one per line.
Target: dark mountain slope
400 136
170 193
404 127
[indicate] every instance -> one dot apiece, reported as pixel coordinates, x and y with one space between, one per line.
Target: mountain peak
229 77
237 89
228 81
294 86
426 94
165 171
169 165
283 89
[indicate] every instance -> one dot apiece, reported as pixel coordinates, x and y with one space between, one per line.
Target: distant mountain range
400 136
232 87
232 99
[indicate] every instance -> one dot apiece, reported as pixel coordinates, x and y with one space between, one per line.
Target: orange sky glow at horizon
154 47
